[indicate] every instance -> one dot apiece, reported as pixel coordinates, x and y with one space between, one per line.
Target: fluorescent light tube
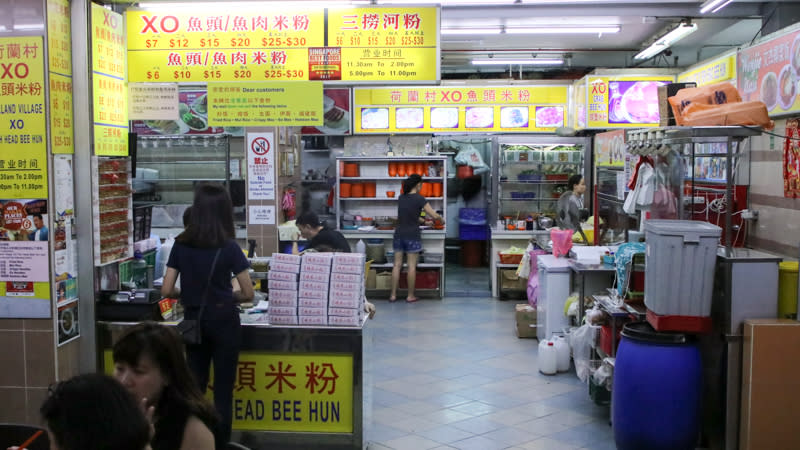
664 42
449 2
216 6
468 31
713 5
563 30
520 62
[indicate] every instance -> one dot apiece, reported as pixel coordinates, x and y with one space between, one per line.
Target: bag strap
208 285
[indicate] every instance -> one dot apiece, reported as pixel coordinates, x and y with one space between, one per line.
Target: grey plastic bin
679 272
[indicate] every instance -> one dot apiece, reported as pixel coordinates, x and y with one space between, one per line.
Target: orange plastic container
401 169
369 189
419 168
437 189
425 191
351 169
344 190
464 172
357 190
392 169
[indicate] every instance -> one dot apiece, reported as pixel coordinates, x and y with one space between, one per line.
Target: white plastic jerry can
563 354
548 358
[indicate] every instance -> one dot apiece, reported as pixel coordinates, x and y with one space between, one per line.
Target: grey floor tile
381 433
475 408
446 434
510 436
477 425
478 443
411 442
446 416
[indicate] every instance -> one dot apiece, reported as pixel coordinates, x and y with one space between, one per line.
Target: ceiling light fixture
215 6
520 62
713 5
664 42
450 2
468 31
563 30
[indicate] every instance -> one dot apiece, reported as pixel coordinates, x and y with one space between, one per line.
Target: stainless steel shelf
534 182
425 178
529 199
384 198
529 163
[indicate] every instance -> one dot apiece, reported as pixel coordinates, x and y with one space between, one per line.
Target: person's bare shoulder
197 436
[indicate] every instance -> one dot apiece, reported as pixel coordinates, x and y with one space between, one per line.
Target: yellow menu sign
23 125
59 45
715 71
108 83
628 101
253 104
524 109
398 45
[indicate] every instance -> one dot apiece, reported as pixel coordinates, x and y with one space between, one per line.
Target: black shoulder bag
190 329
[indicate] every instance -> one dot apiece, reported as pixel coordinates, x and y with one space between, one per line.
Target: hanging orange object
392 169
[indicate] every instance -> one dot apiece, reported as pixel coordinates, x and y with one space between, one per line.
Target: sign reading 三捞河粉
23 124
264 104
285 44
108 83
527 109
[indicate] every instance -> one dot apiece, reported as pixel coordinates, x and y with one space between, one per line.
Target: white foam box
285 285
344 312
315 268
346 286
353 302
348 277
306 311
281 276
339 295
320 259
282 320
344 321
280 294
282 310
315 277
286 258
312 303
350 268
350 258
312 320
313 293
283 267
314 285
287 302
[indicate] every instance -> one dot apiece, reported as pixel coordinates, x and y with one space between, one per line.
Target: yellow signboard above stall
523 109
108 83
715 71
361 45
622 101
264 104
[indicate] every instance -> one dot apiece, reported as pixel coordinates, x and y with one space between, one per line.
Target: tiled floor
452 374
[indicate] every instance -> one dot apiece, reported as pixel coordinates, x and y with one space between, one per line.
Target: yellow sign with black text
254 104
23 124
523 109
715 71
59 45
628 101
297 392
108 82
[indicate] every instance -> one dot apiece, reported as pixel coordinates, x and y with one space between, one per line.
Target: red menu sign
770 71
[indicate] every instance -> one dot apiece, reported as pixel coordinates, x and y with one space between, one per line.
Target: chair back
16 434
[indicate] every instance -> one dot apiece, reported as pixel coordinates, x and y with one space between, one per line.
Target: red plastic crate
426 279
510 259
605 339
684 324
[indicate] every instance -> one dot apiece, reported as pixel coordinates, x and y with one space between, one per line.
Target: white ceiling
640 23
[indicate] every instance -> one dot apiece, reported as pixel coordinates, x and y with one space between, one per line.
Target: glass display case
532 174
169 167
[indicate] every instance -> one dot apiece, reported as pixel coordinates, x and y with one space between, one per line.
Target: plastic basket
473 232
472 216
509 259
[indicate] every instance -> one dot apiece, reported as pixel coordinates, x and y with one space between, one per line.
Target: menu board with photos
770 72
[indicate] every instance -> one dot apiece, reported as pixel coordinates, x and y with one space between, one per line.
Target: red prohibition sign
260 146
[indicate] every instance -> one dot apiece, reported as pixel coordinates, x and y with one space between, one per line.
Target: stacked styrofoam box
315 276
283 284
346 294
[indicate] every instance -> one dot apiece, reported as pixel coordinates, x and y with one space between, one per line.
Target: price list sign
398 45
270 44
60 76
23 149
264 104
108 80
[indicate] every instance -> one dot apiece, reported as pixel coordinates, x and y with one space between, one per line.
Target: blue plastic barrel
656 396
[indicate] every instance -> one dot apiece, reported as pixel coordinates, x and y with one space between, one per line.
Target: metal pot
544 222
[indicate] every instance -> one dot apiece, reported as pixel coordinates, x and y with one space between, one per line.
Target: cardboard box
355 269
344 312
283 267
306 311
282 320
288 302
524 317
312 303
510 281
279 294
351 302
320 259
313 293
770 384
312 320
371 279
339 296
352 259
282 310
282 276
348 277
315 277
284 285
383 280
315 268
286 258
342 321
314 285
346 286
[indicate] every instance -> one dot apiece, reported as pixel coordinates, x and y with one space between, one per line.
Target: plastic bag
582 341
562 241
604 375
469 156
533 280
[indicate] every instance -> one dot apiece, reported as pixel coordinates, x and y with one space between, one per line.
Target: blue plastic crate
473 232
472 216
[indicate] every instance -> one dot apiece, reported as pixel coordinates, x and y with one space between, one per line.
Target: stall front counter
296 387
505 239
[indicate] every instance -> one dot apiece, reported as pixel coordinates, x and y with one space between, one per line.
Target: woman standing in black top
209 238
407 237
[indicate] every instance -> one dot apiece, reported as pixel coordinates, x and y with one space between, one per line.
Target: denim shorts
407 245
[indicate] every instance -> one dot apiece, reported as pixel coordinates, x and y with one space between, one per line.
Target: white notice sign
153 101
262 215
24 261
260 166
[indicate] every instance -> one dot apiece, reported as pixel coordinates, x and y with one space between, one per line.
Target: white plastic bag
469 156
582 341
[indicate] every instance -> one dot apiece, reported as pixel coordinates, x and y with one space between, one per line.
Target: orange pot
464 172
437 189
390 194
344 190
369 189
351 169
419 168
392 169
401 169
423 190
357 190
